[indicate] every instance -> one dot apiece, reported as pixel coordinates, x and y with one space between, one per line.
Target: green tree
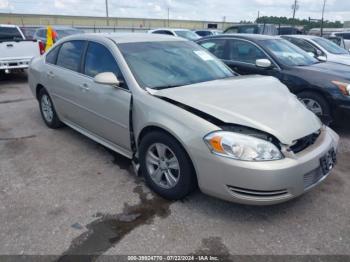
298 22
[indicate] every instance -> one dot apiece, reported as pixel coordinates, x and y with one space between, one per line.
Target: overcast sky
233 10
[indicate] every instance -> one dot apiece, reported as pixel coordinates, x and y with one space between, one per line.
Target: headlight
241 147
343 87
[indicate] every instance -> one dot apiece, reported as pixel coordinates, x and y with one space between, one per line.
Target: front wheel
166 166
316 104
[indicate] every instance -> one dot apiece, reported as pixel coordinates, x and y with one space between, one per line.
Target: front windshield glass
187 34
330 46
287 53
161 65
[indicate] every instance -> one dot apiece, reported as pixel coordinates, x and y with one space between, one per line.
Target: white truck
15 51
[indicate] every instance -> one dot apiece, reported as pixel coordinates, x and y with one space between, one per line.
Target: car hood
329 68
340 59
263 103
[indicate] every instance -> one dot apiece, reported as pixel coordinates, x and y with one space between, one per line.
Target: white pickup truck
15 51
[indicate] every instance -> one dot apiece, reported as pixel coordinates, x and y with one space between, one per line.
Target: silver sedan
183 117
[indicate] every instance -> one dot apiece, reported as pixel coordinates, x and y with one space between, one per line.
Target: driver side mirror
107 78
263 63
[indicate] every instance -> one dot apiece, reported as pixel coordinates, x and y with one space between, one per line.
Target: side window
304 45
70 55
346 36
243 51
98 60
51 57
216 47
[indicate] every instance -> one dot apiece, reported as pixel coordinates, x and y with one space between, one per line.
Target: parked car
15 51
324 87
289 30
207 32
184 116
28 32
184 33
337 40
345 36
59 31
263 29
321 48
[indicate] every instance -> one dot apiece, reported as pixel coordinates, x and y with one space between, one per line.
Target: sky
215 10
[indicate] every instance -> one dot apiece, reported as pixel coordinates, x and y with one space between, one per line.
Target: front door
106 107
242 56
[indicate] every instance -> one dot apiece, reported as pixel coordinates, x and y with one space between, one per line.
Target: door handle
84 87
50 74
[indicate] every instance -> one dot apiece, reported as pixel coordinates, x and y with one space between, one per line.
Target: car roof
5 25
120 38
303 36
59 27
171 29
252 37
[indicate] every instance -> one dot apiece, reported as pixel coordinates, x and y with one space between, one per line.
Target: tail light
41 47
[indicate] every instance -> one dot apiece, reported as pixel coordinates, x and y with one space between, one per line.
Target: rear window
10 34
51 57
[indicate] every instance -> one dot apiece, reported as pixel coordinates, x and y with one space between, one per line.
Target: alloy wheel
163 166
313 106
46 107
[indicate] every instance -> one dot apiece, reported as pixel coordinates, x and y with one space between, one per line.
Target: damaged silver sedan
184 118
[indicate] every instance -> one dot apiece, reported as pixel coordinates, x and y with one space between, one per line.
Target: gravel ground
61 193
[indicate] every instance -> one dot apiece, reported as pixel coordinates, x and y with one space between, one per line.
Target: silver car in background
184 117
321 48
179 32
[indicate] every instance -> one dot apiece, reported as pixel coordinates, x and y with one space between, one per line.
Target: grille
313 177
305 142
257 193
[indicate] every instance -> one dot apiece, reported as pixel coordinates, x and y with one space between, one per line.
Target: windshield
159 65
66 32
187 34
287 53
10 34
330 46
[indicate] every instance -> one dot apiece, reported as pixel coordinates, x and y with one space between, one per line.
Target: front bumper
265 183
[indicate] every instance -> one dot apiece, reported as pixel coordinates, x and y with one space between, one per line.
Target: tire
311 98
185 175
50 118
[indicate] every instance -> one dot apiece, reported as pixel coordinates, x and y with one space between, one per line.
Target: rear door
106 107
65 82
216 46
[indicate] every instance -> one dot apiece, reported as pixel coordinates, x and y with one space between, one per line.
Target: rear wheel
47 110
166 166
316 104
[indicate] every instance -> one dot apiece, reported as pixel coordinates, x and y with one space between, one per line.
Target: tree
298 22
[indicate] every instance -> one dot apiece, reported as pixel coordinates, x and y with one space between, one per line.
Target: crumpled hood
259 102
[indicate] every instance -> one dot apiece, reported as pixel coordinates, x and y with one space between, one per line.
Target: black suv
324 87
